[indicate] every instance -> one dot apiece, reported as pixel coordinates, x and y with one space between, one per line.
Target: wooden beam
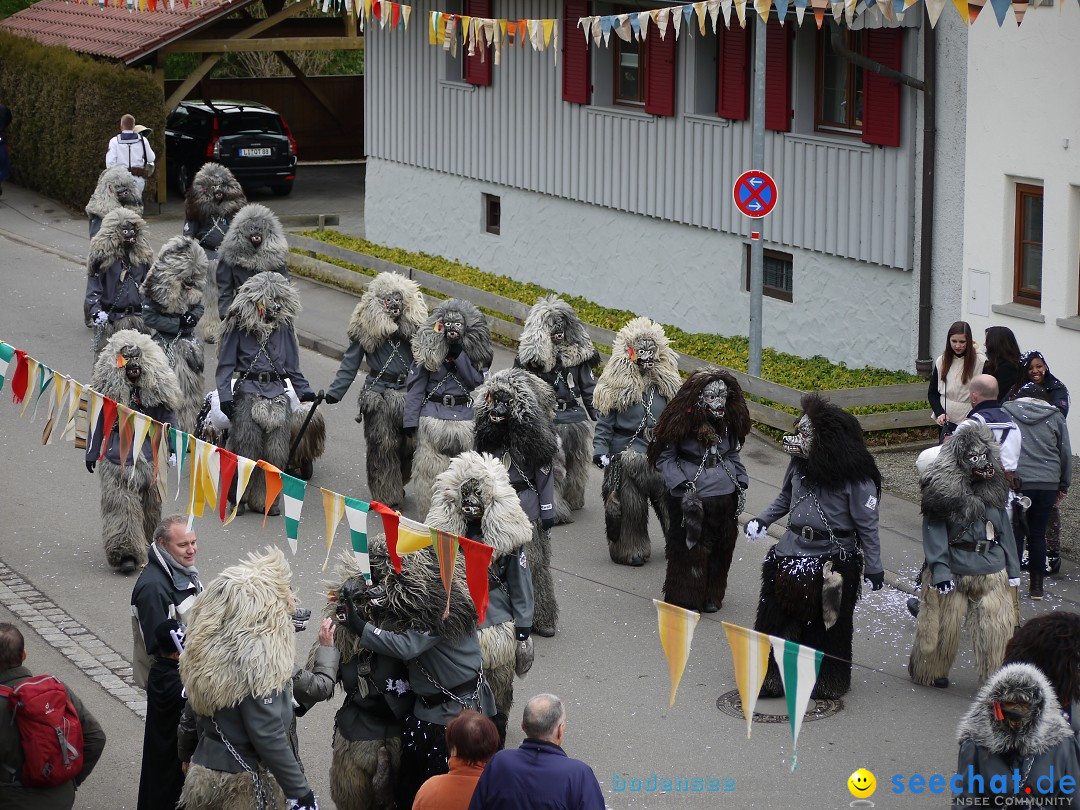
196 76
350 23
310 86
266 44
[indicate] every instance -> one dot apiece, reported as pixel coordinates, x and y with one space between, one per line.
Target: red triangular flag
395 15
21 381
377 9
228 474
108 419
477 561
390 520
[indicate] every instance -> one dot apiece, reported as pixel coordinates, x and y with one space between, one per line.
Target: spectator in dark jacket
538 775
1002 357
13 796
161 778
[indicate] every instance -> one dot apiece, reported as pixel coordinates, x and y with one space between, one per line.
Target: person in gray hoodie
1045 471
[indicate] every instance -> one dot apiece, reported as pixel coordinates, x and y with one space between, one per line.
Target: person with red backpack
49 742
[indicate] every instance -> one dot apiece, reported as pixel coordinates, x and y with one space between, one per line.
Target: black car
248 138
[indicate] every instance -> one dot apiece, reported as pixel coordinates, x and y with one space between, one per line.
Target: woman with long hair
1002 358
949 392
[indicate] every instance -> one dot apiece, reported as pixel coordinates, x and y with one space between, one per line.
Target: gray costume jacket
538 500
112 449
105 290
208 233
230 277
258 729
678 463
167 324
426 391
949 561
614 431
240 354
573 390
852 512
510 591
455 667
388 367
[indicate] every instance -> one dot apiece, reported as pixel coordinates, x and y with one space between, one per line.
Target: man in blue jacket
538 775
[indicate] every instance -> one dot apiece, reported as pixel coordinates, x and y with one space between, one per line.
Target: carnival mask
255 235
392 304
644 353
453 326
129 232
128 359
800 442
268 311
124 196
472 505
558 330
502 405
981 465
713 399
218 193
360 596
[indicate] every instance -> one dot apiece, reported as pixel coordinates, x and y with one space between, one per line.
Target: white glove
172 459
1014 582
101 317
755 530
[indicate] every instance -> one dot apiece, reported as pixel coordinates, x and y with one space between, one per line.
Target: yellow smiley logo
862 784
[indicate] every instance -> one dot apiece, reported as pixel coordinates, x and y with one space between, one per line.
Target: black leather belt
389 379
437 700
970 545
810 533
451 401
711 460
118 313
266 377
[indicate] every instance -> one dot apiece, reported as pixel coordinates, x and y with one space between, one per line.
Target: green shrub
65 108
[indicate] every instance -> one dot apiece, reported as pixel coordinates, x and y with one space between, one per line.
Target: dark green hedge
65 109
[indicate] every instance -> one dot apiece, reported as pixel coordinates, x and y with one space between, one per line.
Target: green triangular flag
6 353
356 513
292 494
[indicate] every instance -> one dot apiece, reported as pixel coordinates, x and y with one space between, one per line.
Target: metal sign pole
758 162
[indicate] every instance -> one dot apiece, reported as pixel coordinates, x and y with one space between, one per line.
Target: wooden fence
307 263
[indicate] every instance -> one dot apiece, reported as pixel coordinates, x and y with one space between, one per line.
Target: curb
63 254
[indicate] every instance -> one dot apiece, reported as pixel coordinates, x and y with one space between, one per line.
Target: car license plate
263 151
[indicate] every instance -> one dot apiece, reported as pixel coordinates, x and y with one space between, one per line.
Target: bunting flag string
292 502
480 33
6 353
799 667
356 513
676 634
750 649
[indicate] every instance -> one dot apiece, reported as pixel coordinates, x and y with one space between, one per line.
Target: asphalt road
606 661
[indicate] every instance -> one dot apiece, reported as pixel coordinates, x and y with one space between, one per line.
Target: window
838 97
776 274
629 81
492 214
1027 261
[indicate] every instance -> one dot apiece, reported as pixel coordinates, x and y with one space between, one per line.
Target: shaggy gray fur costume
239 257
527 436
389 453
505 527
568 367
130 499
175 286
115 189
953 500
439 440
239 647
213 199
630 482
260 426
114 271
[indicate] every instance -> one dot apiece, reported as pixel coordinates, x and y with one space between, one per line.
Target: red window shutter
881 96
733 77
576 82
660 71
777 76
478 71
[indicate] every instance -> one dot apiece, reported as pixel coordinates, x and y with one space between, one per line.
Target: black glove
944 587
409 432
598 460
876 580
349 617
308 397
685 487
522 632
332 400
547 523
589 409
187 320
305 802
452 351
226 408
90 464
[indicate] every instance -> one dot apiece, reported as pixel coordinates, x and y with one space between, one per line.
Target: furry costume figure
368 726
381 330
632 392
513 421
237 669
970 557
115 189
696 449
172 305
254 243
213 199
132 371
438 641
116 265
812 578
556 347
474 498
259 345
1015 735
452 352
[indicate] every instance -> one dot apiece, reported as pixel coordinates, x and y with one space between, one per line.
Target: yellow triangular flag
549 26
334 510
962 7
750 650
433 28
763 7
244 468
740 11
676 634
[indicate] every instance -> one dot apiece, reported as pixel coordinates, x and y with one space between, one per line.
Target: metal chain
251 365
473 699
394 345
813 499
99 329
260 796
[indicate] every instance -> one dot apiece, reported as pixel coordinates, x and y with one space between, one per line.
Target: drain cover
774 710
